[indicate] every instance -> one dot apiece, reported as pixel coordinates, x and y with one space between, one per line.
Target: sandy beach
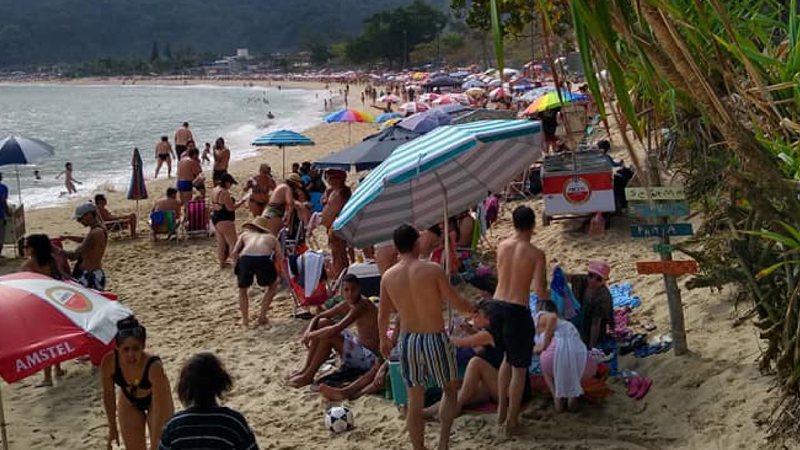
712 398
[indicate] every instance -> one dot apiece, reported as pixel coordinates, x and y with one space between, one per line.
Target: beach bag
561 294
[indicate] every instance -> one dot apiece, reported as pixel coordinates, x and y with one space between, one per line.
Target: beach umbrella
390 123
428 97
349 116
552 100
495 83
535 93
388 116
425 121
498 93
45 321
475 91
437 175
17 151
137 190
444 100
282 139
369 153
414 107
473 84
389 98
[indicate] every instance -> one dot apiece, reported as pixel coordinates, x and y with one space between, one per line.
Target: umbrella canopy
537 92
428 97
551 100
425 121
45 321
389 98
473 84
137 190
453 165
281 139
444 81
444 100
498 93
414 107
15 150
475 91
349 116
388 116
369 153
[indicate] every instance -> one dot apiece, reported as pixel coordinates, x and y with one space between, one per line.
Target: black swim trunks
216 175
515 330
262 268
163 156
179 149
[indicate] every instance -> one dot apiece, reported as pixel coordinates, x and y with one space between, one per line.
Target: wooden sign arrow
661 230
655 193
661 209
674 268
663 248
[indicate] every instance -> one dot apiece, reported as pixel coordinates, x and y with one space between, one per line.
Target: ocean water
97 127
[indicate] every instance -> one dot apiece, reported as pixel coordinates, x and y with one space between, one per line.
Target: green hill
53 31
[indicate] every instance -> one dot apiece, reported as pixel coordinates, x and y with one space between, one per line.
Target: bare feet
572 404
60 372
512 430
331 394
559 404
502 413
300 381
263 321
45 383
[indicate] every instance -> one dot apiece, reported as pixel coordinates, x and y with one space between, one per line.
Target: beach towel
622 296
561 294
313 265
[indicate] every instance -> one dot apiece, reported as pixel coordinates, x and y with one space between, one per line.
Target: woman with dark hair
205 424
40 259
144 397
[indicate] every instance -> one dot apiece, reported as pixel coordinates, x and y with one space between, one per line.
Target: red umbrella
46 321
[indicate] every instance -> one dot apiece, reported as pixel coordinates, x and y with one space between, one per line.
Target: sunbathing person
372 382
563 357
254 256
324 335
112 222
480 378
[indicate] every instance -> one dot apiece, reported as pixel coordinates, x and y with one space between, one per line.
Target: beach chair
196 222
116 228
163 223
302 269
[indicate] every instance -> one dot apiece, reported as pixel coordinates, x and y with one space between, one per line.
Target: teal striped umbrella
439 174
281 139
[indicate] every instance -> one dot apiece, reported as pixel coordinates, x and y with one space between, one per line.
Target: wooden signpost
662 203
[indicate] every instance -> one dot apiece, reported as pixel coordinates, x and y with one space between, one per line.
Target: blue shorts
184 186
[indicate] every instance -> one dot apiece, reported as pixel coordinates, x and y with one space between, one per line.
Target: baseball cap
82 210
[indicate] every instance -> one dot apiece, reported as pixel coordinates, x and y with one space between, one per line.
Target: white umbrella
15 150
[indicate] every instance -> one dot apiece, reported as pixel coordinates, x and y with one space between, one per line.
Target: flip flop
634 385
644 388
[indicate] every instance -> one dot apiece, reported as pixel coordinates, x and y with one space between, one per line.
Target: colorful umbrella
388 116
498 93
45 321
282 139
349 116
428 97
475 92
15 150
551 100
444 100
473 84
414 107
390 123
389 98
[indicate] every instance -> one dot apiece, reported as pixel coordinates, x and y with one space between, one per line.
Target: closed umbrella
439 174
282 139
137 190
15 150
45 321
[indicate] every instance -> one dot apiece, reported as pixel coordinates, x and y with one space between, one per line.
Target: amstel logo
577 190
69 298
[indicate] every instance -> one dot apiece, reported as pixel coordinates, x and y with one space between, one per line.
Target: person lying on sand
372 382
113 222
254 256
323 334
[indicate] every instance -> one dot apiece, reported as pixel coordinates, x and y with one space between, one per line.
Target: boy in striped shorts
415 290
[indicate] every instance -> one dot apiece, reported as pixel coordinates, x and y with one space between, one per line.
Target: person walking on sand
338 194
222 156
260 187
414 290
518 263
144 394
69 181
88 270
254 256
164 154
189 174
182 137
223 217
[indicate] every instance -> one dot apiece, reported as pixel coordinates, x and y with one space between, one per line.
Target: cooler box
577 183
398 386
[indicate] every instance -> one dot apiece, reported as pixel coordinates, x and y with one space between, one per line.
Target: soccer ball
339 419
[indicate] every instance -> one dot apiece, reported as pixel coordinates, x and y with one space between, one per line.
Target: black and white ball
339 419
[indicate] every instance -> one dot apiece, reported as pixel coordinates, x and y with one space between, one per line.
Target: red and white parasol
414 107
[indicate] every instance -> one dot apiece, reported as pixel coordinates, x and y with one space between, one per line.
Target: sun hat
83 209
260 223
599 268
294 178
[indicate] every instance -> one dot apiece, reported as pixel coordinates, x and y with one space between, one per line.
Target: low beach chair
163 223
295 268
196 222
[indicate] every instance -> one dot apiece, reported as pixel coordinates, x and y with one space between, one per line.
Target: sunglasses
594 276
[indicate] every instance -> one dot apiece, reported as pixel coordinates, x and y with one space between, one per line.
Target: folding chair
163 223
196 222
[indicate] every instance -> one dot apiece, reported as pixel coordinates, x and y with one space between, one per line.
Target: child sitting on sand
254 256
69 182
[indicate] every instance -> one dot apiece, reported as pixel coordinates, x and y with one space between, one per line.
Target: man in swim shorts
182 137
415 290
336 197
255 254
189 173
88 270
518 263
164 155
358 351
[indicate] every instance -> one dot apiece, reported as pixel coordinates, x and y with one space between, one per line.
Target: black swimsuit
129 390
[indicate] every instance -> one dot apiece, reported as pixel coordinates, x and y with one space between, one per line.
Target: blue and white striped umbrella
15 150
454 165
281 139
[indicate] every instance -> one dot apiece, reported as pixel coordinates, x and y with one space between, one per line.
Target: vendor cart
576 184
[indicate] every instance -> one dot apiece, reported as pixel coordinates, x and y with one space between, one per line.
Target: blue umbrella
369 153
473 84
281 139
388 116
425 121
15 150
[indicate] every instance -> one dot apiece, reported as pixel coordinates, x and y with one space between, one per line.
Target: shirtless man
88 269
281 203
199 184
323 334
182 136
114 222
164 154
222 156
169 203
260 186
415 290
254 256
518 263
189 173
337 196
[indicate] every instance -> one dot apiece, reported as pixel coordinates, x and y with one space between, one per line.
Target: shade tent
369 153
442 173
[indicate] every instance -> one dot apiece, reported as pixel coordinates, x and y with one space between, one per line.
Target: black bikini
129 390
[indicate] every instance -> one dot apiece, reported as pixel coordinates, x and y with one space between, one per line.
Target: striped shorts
427 357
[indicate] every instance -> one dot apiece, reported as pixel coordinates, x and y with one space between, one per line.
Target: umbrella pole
19 189
3 434
446 256
283 149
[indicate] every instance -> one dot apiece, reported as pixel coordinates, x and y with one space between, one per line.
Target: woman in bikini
144 398
260 187
223 217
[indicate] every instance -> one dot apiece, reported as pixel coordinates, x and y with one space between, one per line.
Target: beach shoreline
174 81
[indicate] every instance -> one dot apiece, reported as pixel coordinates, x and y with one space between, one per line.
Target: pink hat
600 268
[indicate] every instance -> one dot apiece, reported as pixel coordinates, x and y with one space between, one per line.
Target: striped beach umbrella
439 174
349 116
282 139
20 151
552 100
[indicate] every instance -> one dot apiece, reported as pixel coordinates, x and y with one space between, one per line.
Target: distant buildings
230 65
